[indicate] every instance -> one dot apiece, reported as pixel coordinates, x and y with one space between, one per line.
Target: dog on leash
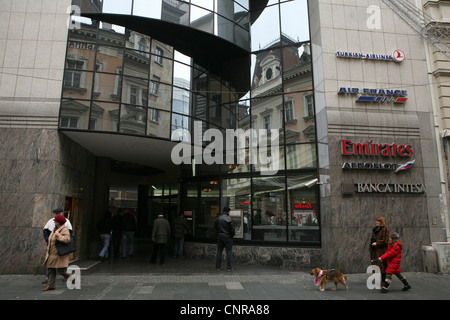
325 276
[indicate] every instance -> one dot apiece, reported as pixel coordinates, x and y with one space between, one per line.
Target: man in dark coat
128 228
180 228
225 232
160 237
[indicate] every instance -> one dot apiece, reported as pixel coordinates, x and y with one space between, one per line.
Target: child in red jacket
393 256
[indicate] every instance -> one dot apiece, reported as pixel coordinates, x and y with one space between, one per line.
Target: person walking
128 229
180 229
160 237
224 227
53 261
116 232
48 228
393 256
378 245
104 226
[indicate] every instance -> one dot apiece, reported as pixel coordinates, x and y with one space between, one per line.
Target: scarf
317 279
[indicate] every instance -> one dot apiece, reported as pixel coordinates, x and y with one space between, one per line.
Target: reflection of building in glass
142 85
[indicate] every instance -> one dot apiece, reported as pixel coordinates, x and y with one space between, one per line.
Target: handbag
66 248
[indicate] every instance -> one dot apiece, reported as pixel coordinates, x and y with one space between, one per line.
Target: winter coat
224 226
180 227
380 236
393 256
52 259
161 230
128 223
104 226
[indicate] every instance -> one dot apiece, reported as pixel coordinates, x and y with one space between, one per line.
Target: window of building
266 124
309 105
69 122
289 110
154 85
159 55
154 115
73 74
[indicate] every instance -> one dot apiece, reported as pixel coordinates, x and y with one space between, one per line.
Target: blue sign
377 95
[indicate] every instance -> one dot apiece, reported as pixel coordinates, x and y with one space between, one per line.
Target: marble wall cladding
347 220
39 169
299 258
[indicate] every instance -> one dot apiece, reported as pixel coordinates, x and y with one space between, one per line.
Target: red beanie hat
60 219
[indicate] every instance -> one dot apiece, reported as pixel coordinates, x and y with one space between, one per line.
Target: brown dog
325 276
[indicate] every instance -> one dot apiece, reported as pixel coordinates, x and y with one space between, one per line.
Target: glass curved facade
123 81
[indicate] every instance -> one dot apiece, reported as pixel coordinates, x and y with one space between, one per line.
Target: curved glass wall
122 81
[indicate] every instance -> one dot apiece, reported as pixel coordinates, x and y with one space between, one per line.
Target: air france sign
396 56
396 96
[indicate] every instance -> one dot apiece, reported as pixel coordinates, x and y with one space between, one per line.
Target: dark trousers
116 239
161 247
227 243
52 275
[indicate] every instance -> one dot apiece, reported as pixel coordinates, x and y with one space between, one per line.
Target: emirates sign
350 148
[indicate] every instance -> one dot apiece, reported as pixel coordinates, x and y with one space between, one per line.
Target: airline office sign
384 150
396 56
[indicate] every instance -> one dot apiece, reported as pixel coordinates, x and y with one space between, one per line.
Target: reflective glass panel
179 122
181 68
147 8
104 116
135 91
301 156
158 123
303 207
268 202
159 95
175 11
181 100
236 195
77 84
294 19
202 19
107 87
299 117
110 59
132 119
74 114
266 73
266 28
117 6
81 55
208 211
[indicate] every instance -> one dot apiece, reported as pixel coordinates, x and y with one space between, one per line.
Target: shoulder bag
66 248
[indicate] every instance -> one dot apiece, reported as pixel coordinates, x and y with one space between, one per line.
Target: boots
385 288
406 285
383 278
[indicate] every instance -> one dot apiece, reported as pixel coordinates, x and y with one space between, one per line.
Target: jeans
105 239
130 236
227 243
178 251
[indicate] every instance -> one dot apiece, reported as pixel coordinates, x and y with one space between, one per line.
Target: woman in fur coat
53 261
378 245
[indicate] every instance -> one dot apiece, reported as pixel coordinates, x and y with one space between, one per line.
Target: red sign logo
399 56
